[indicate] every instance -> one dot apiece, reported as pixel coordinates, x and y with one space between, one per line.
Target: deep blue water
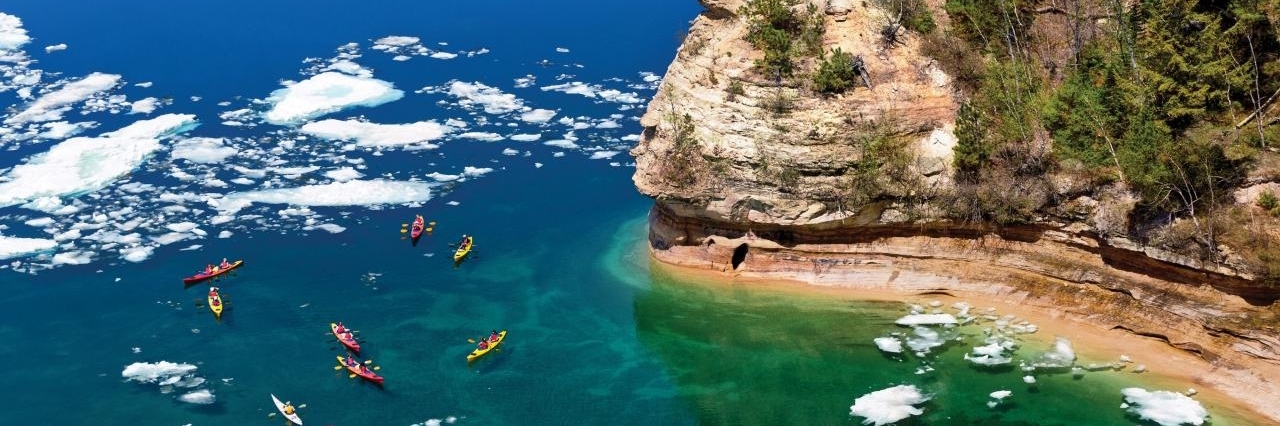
596 337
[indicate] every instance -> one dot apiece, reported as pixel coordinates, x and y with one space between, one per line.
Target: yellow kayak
463 248
502 335
215 302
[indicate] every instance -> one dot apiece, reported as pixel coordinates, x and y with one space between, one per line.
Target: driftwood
1264 106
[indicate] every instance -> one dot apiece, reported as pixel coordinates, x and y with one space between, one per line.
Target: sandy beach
1166 368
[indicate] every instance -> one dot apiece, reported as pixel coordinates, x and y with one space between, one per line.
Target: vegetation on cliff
1165 105
1165 99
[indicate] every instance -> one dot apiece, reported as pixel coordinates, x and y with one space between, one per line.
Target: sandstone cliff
768 193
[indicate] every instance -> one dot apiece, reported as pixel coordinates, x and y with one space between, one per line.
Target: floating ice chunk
73 258
1125 358
475 171
926 319
350 193
601 155
1030 380
1140 368
509 151
331 228
889 344
1164 407
924 340
62 129
526 137
890 405
396 41
444 55
153 373
537 116
991 354
11 247
82 164
343 174
136 254
55 48
491 99
482 136
367 134
202 150
52 105
562 50
326 93
1061 355
202 396
1001 394
12 35
561 143
144 106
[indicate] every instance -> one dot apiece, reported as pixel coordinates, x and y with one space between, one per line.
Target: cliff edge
762 175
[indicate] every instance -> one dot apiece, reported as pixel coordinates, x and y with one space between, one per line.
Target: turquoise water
597 336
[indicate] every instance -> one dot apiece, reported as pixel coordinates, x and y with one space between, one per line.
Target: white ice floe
62 129
11 247
12 35
926 319
601 155
890 405
331 228
475 171
343 174
444 55
326 93
202 150
85 164
994 353
395 41
889 344
1164 407
482 136
144 106
170 375
562 50
526 137
1061 355
537 116
52 105
350 193
55 47
368 134
136 254
202 396
924 340
491 99
1001 394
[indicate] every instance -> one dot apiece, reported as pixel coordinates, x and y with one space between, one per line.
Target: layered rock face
766 194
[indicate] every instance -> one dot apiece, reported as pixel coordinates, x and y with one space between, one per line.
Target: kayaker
341 329
208 269
224 264
463 243
493 336
288 408
484 344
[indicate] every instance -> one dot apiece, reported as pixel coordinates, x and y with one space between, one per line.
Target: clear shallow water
595 336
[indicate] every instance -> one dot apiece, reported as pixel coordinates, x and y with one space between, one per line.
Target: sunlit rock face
747 188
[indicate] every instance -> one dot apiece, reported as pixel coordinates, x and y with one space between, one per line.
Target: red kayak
418 226
349 343
361 370
216 271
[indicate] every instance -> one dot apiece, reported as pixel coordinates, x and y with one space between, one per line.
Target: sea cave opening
739 255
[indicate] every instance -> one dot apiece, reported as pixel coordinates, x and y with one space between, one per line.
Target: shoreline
1244 392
